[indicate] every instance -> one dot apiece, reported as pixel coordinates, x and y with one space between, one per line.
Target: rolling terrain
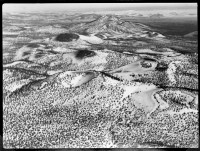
102 81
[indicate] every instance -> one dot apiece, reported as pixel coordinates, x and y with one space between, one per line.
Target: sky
46 7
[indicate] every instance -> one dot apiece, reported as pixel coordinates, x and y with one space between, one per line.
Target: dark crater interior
81 54
66 37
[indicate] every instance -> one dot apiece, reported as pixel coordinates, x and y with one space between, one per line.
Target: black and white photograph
100 75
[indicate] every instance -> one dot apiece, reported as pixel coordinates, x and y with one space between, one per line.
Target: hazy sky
89 6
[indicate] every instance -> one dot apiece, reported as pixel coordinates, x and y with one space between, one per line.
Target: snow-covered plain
73 78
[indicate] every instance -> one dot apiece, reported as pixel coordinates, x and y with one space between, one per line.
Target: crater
81 54
66 37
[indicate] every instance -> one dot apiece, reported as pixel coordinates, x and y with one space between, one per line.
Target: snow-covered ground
5 43
185 110
27 27
189 98
21 64
110 81
91 39
20 52
142 96
125 52
168 52
6 54
158 35
50 29
13 63
137 87
64 74
196 100
99 58
99 67
177 93
162 104
51 72
133 68
170 72
73 79
10 33
16 85
62 50
6 75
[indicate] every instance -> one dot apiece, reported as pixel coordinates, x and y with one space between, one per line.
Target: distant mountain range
111 25
150 13
156 15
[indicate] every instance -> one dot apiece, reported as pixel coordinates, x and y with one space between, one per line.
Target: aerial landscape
100 76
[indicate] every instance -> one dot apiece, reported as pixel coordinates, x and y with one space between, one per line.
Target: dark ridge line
182 51
18 60
89 49
150 59
190 74
151 54
53 52
93 20
122 46
27 86
122 52
25 60
120 39
25 70
184 88
117 46
170 87
106 74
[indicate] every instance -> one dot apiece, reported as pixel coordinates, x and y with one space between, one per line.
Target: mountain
15 78
110 24
156 15
192 35
174 13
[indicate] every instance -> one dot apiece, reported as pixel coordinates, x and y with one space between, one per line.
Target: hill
192 35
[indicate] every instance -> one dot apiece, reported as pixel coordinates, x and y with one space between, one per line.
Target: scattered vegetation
175 97
146 64
159 78
185 81
161 66
50 114
193 58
